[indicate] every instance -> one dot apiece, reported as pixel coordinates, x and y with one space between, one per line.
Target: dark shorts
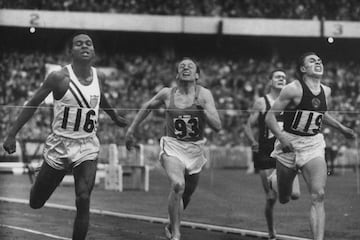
263 161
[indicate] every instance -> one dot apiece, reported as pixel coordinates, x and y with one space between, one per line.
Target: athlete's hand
129 141
9 144
348 133
286 144
199 104
255 147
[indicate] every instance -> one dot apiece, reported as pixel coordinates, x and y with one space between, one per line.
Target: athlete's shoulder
294 84
164 93
202 88
56 78
165 90
259 104
292 89
204 92
59 74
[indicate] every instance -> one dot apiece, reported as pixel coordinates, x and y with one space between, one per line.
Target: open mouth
318 68
85 53
186 74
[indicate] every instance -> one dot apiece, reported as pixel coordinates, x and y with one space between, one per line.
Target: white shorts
66 153
306 148
191 154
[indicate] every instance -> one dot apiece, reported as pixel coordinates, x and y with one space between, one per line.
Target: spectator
234 83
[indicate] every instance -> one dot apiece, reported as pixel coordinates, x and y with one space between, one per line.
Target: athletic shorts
63 153
306 148
263 161
191 154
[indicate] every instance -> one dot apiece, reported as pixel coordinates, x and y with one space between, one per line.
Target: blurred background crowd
297 9
235 83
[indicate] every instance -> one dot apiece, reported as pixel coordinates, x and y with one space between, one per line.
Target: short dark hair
274 71
191 59
300 63
69 43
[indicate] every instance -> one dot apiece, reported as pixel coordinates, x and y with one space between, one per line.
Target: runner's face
278 79
313 66
82 47
187 70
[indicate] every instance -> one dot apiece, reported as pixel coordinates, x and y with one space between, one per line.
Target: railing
179 24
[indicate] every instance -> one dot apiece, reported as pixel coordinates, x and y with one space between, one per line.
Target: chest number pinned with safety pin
186 126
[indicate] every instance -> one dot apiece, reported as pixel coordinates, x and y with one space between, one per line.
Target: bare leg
271 197
175 170
295 194
84 175
315 175
285 178
191 182
45 184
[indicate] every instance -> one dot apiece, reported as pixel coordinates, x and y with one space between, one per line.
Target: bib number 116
89 124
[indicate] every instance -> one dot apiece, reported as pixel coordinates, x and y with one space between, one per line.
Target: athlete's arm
105 105
153 103
30 107
252 121
331 121
208 104
287 95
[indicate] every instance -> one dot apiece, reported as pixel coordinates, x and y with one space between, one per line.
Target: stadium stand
288 9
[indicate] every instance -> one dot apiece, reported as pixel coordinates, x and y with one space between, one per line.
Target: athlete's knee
295 195
83 200
271 198
83 197
35 203
318 196
284 199
178 187
271 201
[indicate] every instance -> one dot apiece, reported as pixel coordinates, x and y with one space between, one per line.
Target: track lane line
194 225
34 232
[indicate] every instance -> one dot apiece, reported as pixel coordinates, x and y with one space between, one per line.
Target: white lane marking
202 226
34 232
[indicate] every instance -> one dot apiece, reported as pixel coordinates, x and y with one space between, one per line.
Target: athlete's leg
191 182
270 201
45 184
315 174
295 194
84 176
285 178
175 171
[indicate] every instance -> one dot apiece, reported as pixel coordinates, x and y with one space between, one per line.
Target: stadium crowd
234 83
289 9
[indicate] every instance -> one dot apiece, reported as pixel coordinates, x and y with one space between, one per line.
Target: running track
18 221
